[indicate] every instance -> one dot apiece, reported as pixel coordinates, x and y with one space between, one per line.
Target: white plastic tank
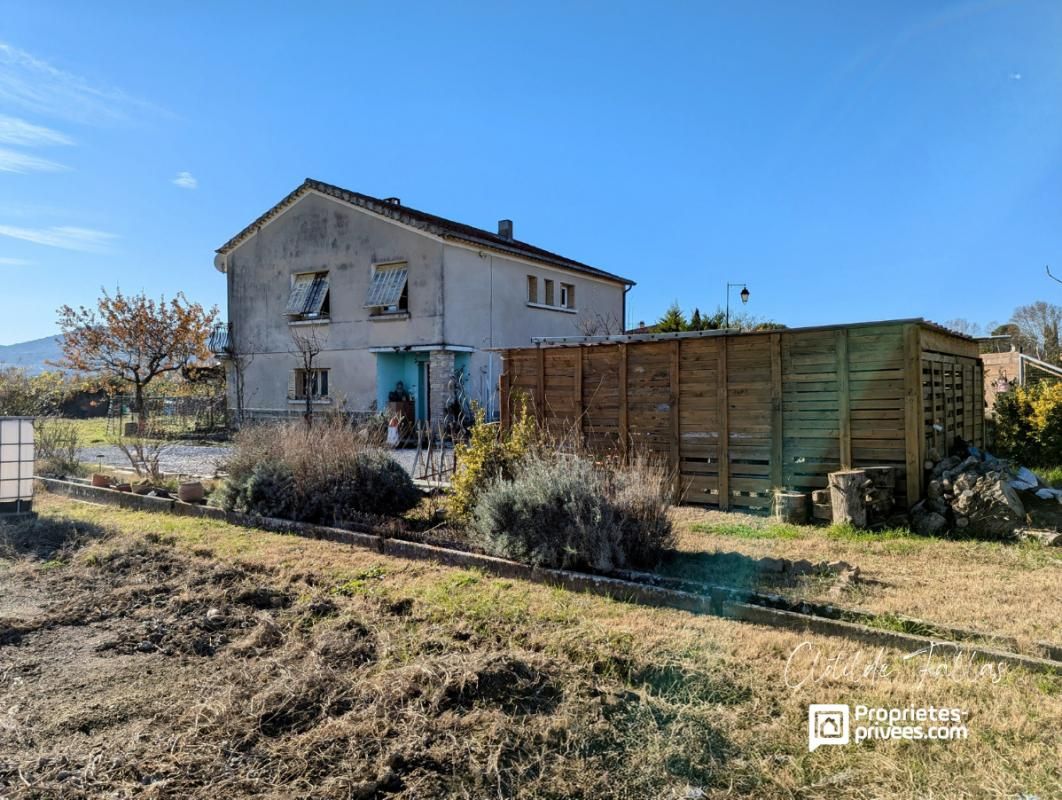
16 465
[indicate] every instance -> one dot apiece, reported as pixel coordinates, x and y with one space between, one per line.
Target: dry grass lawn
333 672
1010 589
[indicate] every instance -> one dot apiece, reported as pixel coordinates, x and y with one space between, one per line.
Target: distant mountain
31 356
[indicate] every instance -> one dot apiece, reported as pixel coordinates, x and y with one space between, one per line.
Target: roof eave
560 263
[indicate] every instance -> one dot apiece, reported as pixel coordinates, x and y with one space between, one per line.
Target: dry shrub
58 445
46 538
325 473
566 511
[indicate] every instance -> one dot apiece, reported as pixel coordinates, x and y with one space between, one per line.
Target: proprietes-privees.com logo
834 724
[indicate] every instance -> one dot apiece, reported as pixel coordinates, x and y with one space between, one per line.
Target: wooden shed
740 414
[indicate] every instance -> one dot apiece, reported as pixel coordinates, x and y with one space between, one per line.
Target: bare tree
240 357
1039 325
599 325
963 326
241 362
308 347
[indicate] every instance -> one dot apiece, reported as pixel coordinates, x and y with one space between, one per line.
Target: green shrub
567 513
491 453
58 447
270 490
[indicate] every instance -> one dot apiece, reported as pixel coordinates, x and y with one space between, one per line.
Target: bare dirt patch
141 668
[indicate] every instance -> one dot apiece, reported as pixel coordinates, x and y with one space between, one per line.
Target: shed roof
574 341
439 226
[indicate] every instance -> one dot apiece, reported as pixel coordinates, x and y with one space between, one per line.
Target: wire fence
170 416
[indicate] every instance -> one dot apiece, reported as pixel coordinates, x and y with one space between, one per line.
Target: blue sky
849 161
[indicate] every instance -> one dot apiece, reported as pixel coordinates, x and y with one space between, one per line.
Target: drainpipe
490 352
626 289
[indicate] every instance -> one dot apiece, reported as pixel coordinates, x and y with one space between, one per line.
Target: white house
391 294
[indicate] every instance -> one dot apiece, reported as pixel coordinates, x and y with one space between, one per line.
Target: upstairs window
567 295
309 298
389 289
532 289
549 292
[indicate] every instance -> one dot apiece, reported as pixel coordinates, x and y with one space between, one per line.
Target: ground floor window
311 383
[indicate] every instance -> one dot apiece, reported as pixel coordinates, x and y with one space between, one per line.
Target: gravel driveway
196 459
184 459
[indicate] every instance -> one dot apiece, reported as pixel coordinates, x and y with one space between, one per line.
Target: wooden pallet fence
737 415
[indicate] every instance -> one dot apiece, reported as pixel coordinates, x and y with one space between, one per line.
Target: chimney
393 201
505 229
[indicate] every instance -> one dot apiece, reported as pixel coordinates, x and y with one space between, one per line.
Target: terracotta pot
124 487
190 492
101 481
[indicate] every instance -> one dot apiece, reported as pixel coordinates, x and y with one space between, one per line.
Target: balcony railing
220 341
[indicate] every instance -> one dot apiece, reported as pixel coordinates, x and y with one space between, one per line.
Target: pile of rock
978 495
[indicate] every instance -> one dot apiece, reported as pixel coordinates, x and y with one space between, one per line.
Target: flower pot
190 492
101 481
124 487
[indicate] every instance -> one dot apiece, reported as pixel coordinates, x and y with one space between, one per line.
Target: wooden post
540 387
505 393
777 432
933 403
623 431
676 433
949 407
791 507
724 427
979 384
577 396
914 411
967 402
844 416
846 497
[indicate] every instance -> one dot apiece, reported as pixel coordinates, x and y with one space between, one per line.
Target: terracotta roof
439 226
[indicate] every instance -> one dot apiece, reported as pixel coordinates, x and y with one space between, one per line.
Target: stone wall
441 370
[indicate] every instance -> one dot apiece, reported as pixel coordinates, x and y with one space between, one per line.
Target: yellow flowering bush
489 454
1028 424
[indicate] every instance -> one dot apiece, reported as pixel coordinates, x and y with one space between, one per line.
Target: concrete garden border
643 588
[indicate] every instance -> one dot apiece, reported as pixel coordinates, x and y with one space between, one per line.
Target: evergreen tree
673 320
695 320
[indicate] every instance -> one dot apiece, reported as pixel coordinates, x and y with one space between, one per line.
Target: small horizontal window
312 383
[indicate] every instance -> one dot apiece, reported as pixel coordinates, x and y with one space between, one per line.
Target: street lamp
744 298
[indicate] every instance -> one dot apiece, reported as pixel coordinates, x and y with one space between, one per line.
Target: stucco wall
485 301
457 296
321 234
